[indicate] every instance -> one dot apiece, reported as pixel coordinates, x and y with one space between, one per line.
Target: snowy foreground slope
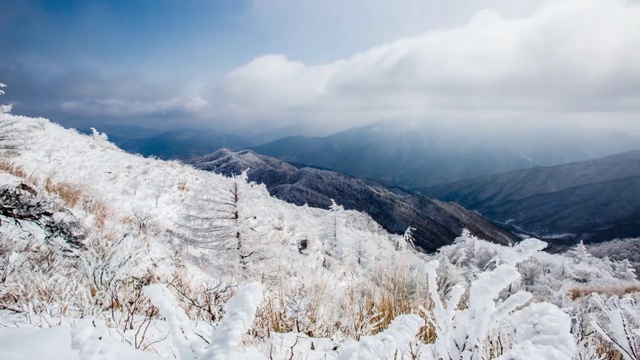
106 255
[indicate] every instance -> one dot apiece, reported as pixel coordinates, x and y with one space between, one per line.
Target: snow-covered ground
107 255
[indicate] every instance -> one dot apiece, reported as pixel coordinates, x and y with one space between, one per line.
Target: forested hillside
595 200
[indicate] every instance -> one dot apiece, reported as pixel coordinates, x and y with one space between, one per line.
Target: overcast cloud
326 63
567 57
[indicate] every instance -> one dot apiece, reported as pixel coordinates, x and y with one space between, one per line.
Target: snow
240 311
185 341
542 332
89 339
400 332
125 257
9 181
55 344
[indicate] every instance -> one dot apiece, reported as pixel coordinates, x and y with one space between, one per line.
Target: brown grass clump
619 291
73 195
99 210
11 168
69 193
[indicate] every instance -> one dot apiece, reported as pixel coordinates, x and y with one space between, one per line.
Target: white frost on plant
543 332
523 251
4 109
462 334
98 135
89 337
401 331
188 344
443 315
240 312
618 326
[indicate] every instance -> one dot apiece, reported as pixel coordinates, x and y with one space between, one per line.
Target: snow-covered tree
406 241
332 235
226 222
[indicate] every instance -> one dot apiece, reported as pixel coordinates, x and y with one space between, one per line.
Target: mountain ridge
436 223
594 200
183 143
418 155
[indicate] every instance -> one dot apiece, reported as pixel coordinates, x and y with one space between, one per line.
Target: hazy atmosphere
324 64
319 179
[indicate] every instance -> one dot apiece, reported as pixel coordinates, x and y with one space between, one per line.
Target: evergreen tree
224 222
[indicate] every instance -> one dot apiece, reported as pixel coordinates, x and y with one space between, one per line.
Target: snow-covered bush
227 336
546 276
619 324
464 333
393 340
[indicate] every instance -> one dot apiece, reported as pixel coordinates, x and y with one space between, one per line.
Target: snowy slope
109 255
143 199
133 214
436 224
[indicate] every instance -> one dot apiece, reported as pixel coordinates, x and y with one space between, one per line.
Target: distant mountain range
437 223
590 200
411 155
183 144
414 155
594 200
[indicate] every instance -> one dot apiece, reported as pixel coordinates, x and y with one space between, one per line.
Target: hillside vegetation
108 255
434 224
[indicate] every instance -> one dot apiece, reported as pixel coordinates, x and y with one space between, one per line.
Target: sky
322 65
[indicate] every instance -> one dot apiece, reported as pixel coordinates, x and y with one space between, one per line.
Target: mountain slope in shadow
414 155
436 223
593 200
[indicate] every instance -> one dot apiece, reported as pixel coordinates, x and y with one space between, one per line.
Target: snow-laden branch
188 344
463 333
543 332
240 311
401 331
618 329
227 337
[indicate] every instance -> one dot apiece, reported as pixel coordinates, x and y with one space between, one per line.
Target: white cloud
121 108
568 56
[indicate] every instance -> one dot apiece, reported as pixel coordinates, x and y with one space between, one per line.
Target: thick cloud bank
567 57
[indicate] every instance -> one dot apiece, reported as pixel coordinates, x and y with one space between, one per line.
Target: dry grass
99 210
11 168
73 195
619 291
69 193
298 310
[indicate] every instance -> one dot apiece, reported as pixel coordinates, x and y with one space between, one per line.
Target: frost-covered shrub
546 276
463 333
619 250
396 338
619 324
226 338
